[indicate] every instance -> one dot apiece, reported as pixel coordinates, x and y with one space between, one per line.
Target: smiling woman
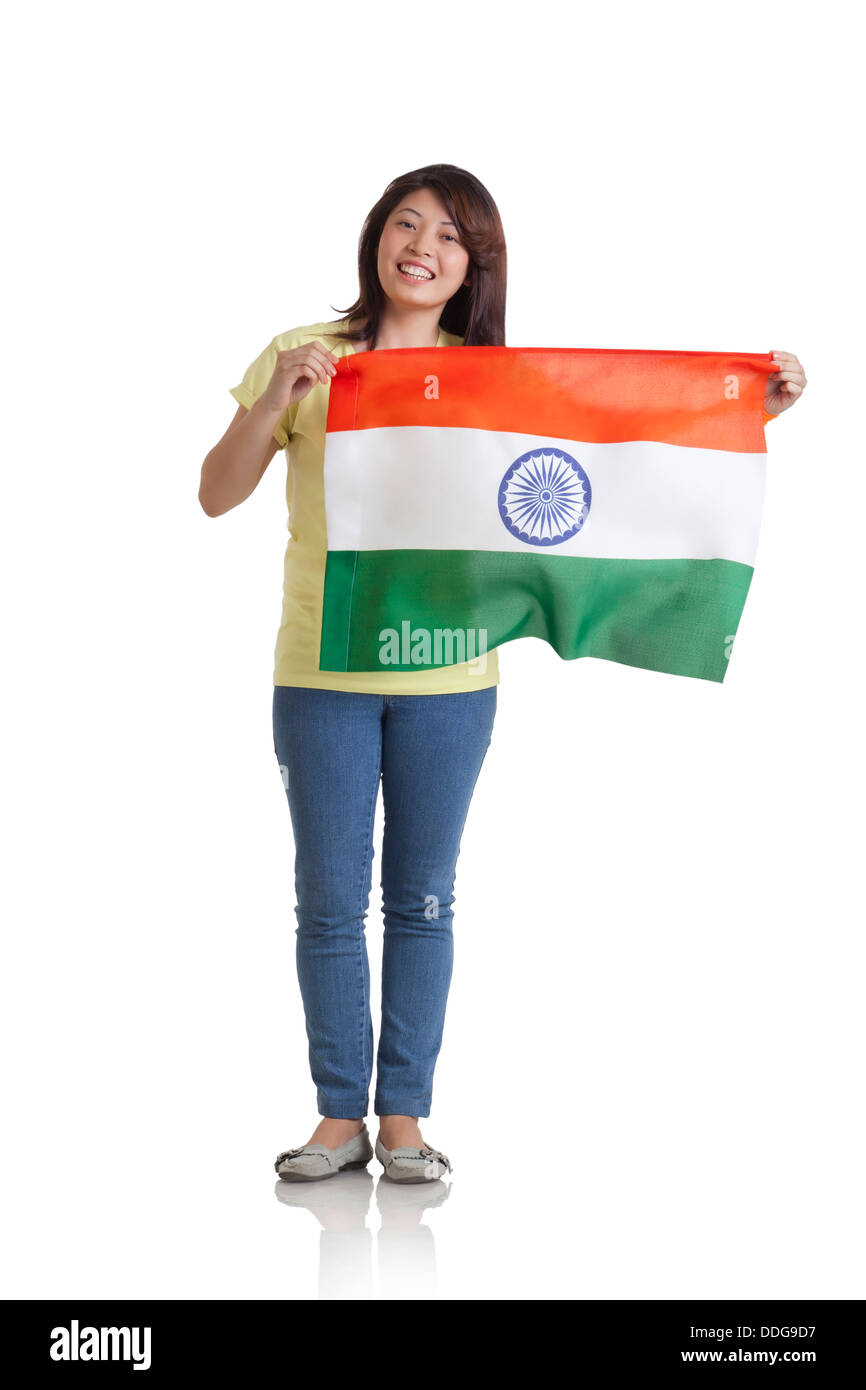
432 271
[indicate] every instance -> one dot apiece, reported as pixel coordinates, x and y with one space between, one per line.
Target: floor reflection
402 1265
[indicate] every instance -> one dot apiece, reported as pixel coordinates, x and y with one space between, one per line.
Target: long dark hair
476 312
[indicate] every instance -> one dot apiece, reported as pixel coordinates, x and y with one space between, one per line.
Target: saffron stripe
602 395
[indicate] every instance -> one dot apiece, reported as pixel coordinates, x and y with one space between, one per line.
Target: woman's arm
784 386
235 466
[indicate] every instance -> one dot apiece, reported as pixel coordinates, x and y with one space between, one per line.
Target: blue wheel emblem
545 497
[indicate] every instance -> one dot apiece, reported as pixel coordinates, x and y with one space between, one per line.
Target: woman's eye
404 223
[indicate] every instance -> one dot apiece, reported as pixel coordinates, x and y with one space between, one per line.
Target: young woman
432 270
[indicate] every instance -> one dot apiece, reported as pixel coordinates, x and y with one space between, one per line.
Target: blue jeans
333 747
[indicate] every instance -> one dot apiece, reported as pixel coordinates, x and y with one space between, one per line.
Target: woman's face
419 230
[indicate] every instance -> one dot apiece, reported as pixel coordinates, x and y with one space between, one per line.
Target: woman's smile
414 274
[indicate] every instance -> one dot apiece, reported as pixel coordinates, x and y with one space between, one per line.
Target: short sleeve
255 379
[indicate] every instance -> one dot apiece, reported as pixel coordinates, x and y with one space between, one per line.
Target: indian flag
607 501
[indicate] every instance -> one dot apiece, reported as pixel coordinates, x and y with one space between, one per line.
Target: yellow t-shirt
300 430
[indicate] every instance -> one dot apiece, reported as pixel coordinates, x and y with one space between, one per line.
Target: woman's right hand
296 372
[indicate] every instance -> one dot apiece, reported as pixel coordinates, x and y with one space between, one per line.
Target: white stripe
421 487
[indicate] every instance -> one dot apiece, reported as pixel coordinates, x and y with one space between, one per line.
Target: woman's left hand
786 385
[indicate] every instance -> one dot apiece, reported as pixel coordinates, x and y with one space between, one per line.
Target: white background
651 1080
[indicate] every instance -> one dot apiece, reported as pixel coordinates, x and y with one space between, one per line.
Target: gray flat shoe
407 1164
313 1161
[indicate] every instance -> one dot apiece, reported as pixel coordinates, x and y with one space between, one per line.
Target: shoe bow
437 1154
289 1153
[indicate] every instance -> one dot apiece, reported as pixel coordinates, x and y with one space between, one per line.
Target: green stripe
677 616
337 611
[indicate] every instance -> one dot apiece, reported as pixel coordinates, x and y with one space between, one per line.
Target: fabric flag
605 500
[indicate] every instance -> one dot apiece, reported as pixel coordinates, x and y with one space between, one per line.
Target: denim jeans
333 748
